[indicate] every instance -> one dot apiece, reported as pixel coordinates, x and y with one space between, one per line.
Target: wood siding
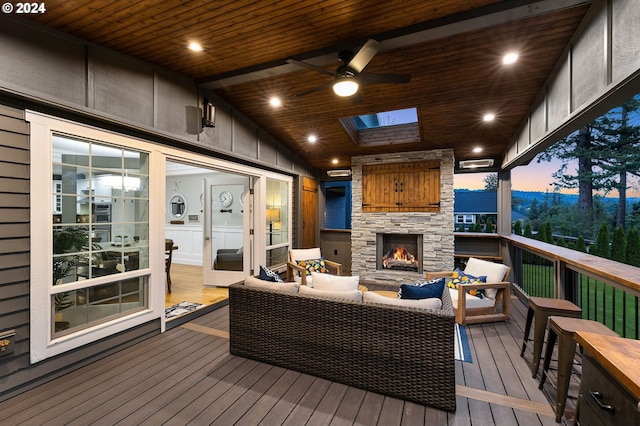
14 238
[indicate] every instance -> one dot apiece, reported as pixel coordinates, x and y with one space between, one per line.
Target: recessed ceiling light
489 117
334 161
275 101
312 138
195 47
477 149
510 58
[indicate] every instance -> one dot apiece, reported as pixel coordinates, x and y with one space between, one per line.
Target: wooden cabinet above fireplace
401 187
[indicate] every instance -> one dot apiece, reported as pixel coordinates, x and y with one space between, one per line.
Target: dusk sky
533 177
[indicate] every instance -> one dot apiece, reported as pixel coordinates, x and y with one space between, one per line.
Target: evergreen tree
571 245
548 232
619 245
478 227
461 228
607 152
601 247
633 218
488 227
540 233
517 227
580 244
633 247
577 146
561 242
618 138
527 231
491 182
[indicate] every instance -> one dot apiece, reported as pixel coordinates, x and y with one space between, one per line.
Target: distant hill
523 199
526 197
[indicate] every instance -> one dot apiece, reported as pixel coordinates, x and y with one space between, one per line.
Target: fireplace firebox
400 252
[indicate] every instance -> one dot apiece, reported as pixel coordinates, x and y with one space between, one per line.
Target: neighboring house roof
475 202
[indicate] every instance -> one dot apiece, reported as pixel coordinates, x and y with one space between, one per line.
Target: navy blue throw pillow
424 290
267 274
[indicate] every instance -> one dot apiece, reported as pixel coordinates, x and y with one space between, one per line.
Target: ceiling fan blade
364 55
366 78
314 89
311 67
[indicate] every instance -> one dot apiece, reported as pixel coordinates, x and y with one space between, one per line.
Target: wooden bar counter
610 385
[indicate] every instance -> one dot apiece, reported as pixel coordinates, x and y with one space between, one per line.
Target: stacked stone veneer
436 228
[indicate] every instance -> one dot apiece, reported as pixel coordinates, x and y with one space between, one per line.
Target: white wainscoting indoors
189 240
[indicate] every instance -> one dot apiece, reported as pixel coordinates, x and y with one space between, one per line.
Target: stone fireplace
399 252
430 234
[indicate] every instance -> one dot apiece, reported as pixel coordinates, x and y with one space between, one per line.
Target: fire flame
400 253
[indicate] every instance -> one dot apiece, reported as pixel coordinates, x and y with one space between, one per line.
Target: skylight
383 128
385 119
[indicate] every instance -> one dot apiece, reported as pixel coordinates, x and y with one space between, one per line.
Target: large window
100 228
96 267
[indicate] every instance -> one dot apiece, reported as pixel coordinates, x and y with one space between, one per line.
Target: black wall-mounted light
208 114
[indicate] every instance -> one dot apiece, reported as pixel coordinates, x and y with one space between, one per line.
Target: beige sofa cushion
289 287
472 301
374 297
354 295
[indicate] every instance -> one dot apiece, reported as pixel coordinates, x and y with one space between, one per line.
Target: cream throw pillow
353 295
334 282
493 271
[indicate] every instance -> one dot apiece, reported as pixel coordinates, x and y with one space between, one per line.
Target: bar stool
542 308
563 329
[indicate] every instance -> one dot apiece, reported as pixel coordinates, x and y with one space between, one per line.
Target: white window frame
466 219
42 344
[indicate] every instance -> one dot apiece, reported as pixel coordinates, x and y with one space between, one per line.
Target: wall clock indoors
225 198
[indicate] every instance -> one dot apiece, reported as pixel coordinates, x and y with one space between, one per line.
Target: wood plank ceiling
452 48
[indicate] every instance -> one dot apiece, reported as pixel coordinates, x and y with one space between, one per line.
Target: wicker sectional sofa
398 351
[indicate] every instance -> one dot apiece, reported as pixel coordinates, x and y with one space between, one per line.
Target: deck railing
606 290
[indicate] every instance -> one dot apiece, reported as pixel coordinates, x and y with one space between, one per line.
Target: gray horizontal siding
14 238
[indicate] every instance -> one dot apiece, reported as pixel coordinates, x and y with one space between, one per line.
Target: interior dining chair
168 253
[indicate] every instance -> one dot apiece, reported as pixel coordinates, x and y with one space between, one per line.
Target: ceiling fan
349 75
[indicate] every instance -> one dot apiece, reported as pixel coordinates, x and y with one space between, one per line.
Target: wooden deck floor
187 376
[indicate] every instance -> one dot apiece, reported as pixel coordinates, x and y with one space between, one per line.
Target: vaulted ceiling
453 50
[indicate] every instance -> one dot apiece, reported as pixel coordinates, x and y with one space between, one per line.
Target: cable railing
606 290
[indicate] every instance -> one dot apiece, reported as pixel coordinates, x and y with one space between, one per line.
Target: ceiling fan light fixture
345 86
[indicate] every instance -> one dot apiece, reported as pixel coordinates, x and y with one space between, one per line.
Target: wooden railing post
558 279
